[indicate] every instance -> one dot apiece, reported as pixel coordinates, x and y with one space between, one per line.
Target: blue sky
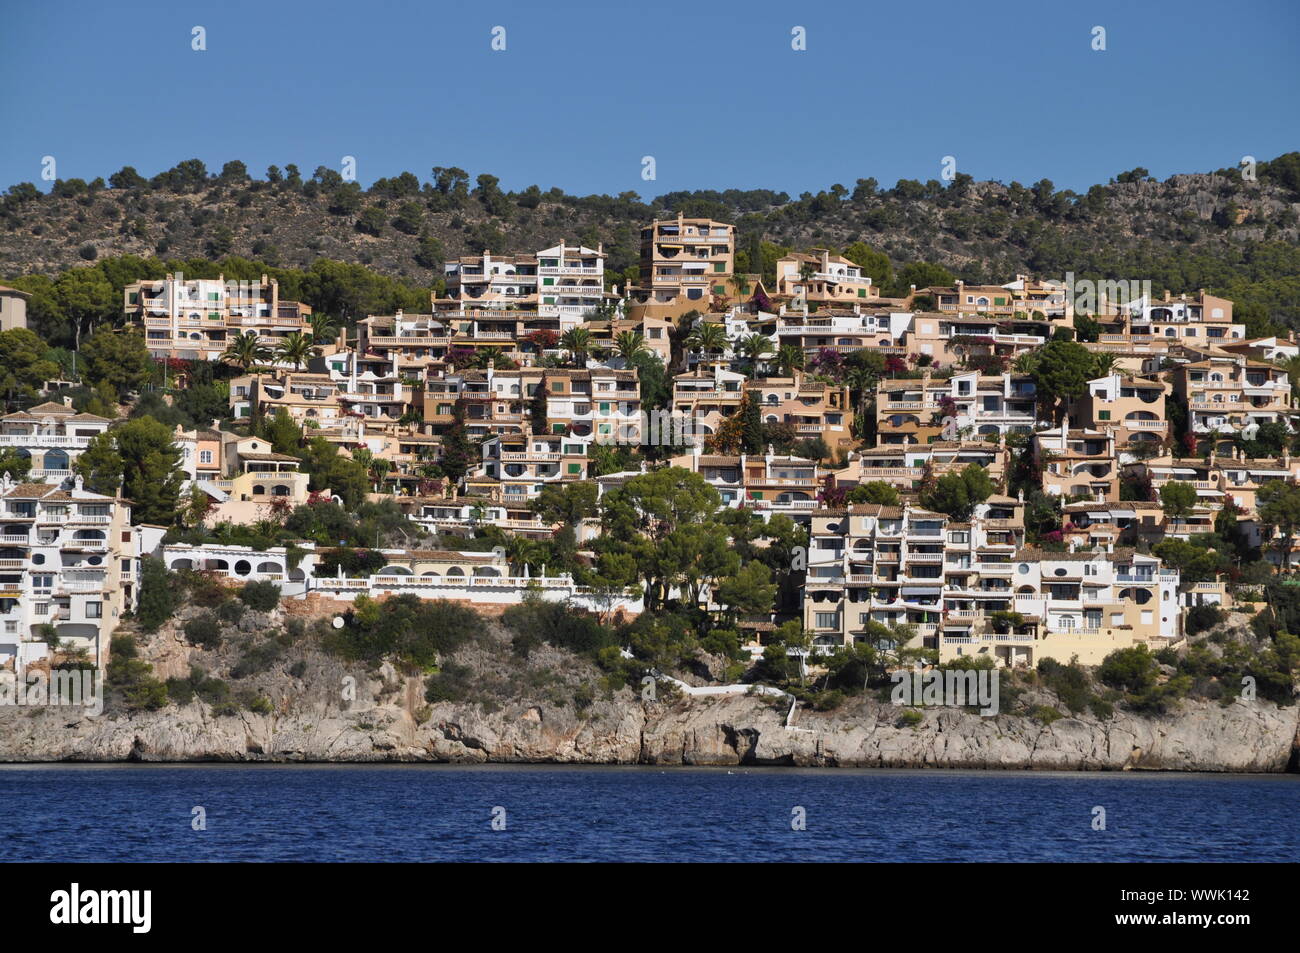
712 90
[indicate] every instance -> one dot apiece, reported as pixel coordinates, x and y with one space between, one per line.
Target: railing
43 440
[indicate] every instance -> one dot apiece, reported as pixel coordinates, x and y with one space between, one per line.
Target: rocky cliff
324 709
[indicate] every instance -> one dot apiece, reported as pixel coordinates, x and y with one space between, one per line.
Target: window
1103 415
827 620
94 610
205 456
575 467
41 608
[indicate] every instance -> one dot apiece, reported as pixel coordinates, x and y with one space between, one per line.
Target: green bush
451 684
204 630
263 595
160 594
555 623
256 660
1200 618
413 632
231 612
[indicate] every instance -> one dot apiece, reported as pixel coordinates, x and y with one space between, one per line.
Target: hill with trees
1215 230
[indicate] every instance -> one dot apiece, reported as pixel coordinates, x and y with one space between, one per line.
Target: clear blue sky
711 89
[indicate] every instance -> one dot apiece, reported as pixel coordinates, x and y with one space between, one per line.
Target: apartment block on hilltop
195 318
685 262
821 279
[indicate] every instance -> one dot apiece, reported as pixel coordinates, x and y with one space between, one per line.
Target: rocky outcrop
549 707
1242 737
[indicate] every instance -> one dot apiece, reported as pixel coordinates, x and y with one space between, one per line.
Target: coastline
737 731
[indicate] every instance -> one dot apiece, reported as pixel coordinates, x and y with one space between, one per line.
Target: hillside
1210 230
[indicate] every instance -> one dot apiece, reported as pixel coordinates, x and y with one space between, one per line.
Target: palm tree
297 349
753 346
789 357
629 344
322 328
707 336
577 341
245 350
861 381
1105 364
378 469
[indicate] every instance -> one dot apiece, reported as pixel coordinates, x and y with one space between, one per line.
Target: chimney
67 401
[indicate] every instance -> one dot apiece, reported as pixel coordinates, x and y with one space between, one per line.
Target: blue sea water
97 813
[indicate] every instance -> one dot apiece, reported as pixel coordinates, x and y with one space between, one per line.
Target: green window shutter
718 266
548 300
604 407
135 297
575 467
862 292
548 281
756 494
1103 415
999 301
719 289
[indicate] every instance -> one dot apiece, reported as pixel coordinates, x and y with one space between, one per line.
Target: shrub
1200 618
555 624
206 589
909 718
160 594
1130 670
415 633
262 596
204 630
256 660
231 612
452 684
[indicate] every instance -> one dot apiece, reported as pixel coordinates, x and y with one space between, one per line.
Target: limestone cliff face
530 712
1256 737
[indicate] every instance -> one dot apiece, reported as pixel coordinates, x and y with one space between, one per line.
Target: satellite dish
1249 431
338 622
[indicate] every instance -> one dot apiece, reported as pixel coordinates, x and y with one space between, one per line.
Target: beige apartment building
1131 408
1226 394
195 318
906 467
820 279
974 406
904 565
811 408
685 263
1078 463
767 483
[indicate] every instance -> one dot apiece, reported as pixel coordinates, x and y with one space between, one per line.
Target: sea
434 812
